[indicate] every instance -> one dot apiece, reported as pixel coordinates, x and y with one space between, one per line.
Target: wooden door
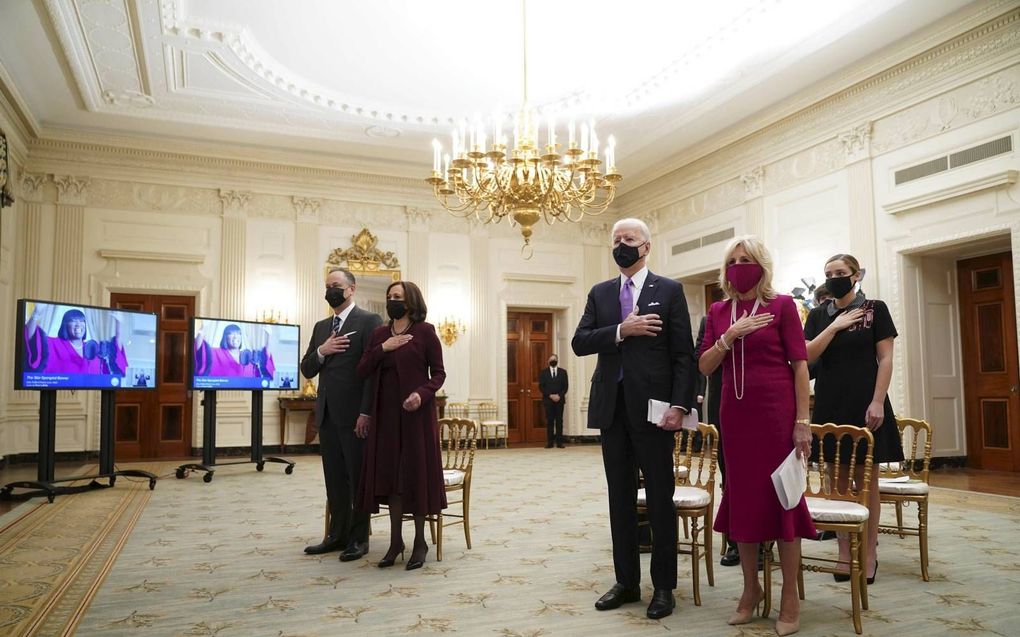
529 341
157 424
713 294
990 374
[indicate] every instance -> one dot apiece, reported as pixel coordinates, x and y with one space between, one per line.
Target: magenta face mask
744 276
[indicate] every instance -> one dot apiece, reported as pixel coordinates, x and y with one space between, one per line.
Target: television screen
244 355
68 346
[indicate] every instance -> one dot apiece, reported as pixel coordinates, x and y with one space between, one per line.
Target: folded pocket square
654 303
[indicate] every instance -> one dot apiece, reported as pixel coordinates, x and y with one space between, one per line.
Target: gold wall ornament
6 192
530 182
449 329
363 257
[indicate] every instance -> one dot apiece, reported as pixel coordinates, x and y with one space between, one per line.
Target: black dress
846 373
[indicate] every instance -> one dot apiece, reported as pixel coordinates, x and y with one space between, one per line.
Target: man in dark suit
639 326
343 401
553 384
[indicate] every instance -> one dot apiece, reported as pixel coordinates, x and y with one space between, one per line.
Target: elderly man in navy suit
638 325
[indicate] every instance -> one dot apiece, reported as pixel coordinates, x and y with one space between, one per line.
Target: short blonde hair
755 249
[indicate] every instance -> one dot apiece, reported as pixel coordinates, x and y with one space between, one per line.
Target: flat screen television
73 346
244 355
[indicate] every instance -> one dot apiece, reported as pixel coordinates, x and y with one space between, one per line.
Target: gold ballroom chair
901 484
458 437
694 496
491 426
837 503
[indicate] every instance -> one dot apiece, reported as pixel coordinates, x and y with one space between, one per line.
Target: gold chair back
458 437
835 481
487 411
457 410
916 438
697 453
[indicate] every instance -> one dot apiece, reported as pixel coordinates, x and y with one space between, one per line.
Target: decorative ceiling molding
880 96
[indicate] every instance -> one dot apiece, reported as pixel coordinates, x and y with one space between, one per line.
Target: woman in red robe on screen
230 360
71 351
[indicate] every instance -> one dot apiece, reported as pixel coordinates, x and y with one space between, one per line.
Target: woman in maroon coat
402 467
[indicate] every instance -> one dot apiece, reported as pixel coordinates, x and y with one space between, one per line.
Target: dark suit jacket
342 393
549 385
660 367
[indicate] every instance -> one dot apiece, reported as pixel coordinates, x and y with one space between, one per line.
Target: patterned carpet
54 556
225 559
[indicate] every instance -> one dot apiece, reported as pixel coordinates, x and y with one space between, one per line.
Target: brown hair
416 308
848 259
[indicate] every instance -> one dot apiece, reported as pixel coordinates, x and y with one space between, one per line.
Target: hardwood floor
995 482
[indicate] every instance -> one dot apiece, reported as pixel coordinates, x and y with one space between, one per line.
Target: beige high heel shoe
747 616
787 628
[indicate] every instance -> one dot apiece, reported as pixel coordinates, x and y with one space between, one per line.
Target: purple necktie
626 299
626 306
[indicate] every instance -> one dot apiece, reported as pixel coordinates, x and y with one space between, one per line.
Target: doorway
157 423
990 370
529 340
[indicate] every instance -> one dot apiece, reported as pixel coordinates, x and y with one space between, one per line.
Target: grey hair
347 274
636 223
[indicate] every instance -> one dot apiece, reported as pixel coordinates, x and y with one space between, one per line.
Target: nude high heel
747 616
787 628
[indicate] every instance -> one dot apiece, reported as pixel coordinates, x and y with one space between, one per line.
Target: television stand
45 484
209 464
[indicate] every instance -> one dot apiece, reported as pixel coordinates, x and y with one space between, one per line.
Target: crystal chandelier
530 182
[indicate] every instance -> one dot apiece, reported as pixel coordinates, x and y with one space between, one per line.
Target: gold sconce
449 330
271 316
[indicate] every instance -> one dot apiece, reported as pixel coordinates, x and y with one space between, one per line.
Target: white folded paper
790 480
657 409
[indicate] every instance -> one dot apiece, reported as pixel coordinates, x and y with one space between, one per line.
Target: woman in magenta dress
402 466
71 351
756 335
230 360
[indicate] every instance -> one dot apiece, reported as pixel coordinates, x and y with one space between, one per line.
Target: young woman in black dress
851 338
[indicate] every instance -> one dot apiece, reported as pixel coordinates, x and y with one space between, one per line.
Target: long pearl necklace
739 392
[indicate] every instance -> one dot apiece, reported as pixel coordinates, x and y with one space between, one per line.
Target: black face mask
840 286
396 309
553 363
625 255
335 296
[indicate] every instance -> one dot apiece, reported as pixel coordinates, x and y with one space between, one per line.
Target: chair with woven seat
694 465
902 483
837 503
458 440
490 426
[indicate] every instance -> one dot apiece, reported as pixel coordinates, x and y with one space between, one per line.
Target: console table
289 404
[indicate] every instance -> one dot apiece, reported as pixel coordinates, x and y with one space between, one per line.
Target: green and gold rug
55 556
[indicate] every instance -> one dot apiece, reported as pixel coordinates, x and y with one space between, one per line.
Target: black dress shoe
617 596
354 551
662 604
560 445
548 445
732 556
327 545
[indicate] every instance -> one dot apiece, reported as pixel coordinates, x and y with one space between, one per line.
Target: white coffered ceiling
377 80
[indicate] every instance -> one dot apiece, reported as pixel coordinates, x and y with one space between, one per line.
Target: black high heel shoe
391 557
413 563
871 580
